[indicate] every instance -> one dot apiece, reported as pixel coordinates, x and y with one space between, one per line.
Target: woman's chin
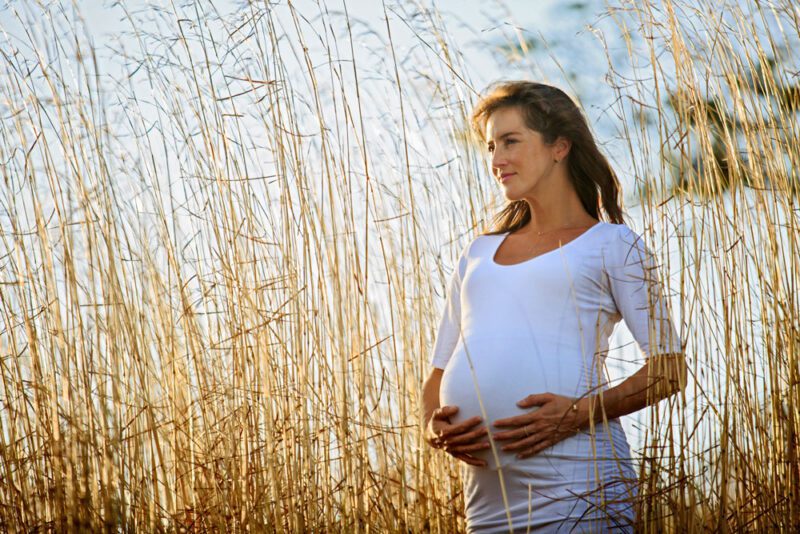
514 194
511 196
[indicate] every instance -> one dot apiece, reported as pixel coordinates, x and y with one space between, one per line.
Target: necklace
532 246
560 229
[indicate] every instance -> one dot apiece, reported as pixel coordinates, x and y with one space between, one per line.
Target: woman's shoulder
480 242
624 245
621 231
628 234
476 246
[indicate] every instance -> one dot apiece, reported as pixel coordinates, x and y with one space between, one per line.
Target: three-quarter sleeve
637 291
449 329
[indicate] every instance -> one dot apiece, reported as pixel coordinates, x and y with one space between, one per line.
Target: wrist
583 412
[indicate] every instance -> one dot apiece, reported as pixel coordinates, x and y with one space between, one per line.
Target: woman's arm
560 417
662 376
430 396
635 286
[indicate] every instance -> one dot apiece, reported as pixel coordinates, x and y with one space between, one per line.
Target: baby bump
494 374
498 376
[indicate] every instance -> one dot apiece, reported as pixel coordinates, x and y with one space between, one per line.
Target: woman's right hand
457 440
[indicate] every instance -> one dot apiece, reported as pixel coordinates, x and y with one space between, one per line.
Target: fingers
460 428
535 400
524 443
467 437
440 433
471 460
444 412
517 420
522 431
470 447
536 449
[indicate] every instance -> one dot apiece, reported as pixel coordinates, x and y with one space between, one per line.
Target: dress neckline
529 260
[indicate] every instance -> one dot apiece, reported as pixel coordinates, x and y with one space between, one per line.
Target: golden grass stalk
223 261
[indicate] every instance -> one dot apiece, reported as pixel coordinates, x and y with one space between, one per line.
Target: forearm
659 378
430 396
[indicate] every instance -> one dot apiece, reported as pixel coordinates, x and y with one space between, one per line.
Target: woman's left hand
554 421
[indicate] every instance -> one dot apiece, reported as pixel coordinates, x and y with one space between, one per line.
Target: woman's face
521 160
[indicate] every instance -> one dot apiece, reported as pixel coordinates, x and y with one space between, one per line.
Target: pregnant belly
503 372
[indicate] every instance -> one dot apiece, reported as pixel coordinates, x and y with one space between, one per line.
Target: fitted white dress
538 326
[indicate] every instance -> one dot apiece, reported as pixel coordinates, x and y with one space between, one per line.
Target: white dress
539 326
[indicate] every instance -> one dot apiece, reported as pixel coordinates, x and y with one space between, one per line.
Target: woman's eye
506 143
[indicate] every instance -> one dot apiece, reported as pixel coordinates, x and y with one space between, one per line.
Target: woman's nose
497 162
497 165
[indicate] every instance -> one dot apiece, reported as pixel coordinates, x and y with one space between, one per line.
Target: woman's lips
504 178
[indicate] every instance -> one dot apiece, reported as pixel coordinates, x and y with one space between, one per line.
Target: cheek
528 160
520 156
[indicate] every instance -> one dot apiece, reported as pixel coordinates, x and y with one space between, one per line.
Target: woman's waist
603 448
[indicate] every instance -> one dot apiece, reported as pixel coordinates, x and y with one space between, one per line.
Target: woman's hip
548 493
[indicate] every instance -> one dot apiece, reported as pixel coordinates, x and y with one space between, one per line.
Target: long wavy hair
549 111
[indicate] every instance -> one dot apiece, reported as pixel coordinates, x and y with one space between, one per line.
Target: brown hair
549 111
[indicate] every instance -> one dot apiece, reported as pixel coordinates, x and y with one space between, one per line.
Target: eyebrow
503 136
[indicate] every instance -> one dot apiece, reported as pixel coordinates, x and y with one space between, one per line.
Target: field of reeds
224 251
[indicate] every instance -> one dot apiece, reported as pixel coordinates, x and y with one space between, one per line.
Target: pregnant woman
518 390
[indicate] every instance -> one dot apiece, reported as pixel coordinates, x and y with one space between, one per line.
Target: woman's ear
562 147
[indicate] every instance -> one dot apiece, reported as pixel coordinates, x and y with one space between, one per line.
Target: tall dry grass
222 262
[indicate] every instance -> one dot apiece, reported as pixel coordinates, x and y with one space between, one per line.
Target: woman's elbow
671 372
680 372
